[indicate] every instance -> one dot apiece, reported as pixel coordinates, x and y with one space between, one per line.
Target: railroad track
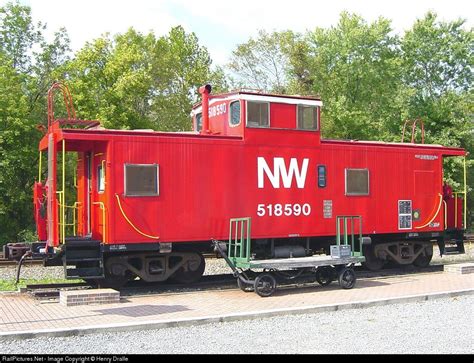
8 263
207 282
4 262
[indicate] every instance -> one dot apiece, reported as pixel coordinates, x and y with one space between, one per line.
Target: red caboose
148 203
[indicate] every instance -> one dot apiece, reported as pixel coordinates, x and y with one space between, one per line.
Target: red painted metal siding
283 116
205 181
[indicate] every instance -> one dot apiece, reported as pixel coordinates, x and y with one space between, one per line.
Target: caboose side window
307 117
100 179
141 180
258 114
199 121
357 181
234 119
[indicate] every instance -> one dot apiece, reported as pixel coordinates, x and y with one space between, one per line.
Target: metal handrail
71 113
445 214
440 196
456 209
413 130
104 222
62 221
131 223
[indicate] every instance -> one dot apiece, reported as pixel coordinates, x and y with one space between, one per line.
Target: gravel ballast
440 326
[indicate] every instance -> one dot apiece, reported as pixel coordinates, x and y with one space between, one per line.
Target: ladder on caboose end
413 130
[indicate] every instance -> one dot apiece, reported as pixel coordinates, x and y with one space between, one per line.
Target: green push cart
325 268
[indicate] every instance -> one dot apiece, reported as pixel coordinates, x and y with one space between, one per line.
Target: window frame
355 193
240 113
317 109
100 177
197 122
157 194
247 114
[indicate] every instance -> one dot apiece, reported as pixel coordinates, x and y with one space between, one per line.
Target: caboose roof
260 96
446 151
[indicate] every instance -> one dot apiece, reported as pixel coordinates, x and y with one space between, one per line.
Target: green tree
139 81
437 64
27 65
437 72
354 66
17 157
181 66
263 63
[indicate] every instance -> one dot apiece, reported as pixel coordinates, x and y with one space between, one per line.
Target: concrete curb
121 327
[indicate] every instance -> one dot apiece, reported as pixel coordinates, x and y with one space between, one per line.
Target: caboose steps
90 273
87 257
452 243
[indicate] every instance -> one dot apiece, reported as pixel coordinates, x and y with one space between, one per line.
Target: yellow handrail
75 206
465 194
102 207
39 168
130 223
62 221
62 198
445 214
456 208
64 189
435 215
61 216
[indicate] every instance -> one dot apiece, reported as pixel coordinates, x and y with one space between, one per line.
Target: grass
10 285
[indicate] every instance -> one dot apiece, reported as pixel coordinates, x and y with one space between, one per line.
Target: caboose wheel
324 275
244 286
265 285
424 259
116 274
191 271
372 262
347 278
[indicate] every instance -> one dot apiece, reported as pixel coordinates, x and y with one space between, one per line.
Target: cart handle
237 273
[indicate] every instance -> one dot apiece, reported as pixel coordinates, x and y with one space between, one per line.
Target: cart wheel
324 275
244 286
347 278
265 285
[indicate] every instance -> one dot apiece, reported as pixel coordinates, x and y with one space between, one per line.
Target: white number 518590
279 210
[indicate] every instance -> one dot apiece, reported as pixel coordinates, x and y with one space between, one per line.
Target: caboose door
87 201
84 185
98 197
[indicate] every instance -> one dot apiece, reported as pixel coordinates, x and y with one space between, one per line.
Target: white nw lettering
280 172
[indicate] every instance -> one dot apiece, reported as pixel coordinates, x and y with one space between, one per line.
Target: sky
221 25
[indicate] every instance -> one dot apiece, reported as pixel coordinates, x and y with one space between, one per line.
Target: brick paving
22 313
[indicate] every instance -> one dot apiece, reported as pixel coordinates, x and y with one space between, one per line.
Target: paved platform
22 316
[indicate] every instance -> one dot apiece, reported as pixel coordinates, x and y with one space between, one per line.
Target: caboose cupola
254 114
